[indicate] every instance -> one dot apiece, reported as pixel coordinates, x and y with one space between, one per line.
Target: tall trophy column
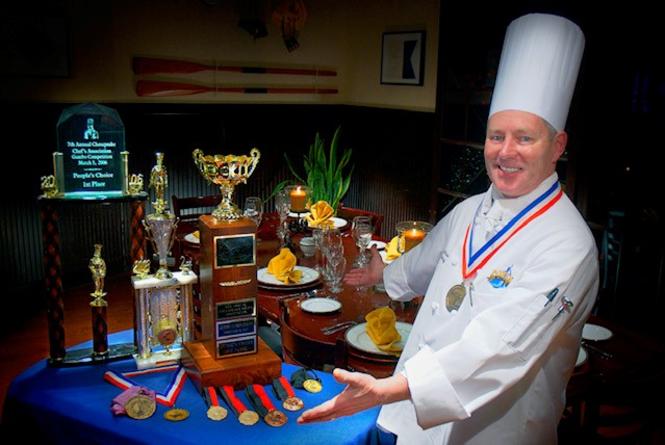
163 299
230 351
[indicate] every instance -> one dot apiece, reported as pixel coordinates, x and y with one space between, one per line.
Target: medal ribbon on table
285 393
215 411
471 262
263 405
245 416
167 398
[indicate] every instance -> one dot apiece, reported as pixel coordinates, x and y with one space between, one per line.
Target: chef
509 276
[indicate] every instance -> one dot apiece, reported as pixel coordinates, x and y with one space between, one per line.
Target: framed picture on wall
403 58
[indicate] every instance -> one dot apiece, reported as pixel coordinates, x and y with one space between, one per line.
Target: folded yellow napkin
283 267
320 215
196 234
392 249
381 330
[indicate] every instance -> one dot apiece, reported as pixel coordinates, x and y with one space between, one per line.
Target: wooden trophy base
204 370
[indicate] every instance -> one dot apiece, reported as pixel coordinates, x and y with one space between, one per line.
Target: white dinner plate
192 239
358 338
595 332
309 275
338 223
380 245
320 305
581 357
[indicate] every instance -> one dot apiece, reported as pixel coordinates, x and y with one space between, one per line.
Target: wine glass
362 231
254 209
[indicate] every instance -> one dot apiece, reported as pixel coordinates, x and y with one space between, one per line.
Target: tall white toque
539 64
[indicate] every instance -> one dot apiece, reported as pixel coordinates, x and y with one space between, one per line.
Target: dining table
305 341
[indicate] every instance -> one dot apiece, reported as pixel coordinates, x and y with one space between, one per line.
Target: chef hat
539 63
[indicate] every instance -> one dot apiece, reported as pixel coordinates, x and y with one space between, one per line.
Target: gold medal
312 385
217 413
140 407
176 414
455 297
248 417
293 404
275 418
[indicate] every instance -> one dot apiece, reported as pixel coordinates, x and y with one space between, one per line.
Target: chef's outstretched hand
367 276
362 392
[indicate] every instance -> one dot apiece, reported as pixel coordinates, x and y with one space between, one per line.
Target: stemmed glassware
282 205
362 231
254 209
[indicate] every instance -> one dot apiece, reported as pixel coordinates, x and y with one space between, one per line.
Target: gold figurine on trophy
226 171
97 267
159 180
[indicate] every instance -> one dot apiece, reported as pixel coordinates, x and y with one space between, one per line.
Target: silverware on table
338 327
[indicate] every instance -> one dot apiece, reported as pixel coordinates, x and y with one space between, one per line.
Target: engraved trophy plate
236 308
235 328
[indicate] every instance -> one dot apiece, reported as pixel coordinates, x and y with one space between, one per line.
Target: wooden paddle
151 65
156 88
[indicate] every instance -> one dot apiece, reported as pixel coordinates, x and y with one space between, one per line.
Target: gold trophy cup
226 171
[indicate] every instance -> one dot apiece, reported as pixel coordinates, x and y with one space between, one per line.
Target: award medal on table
306 379
167 398
140 407
285 393
473 261
245 416
263 405
176 414
215 411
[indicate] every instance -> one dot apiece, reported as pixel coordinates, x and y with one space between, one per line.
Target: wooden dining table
303 342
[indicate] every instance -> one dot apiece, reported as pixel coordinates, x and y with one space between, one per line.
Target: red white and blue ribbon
167 398
472 261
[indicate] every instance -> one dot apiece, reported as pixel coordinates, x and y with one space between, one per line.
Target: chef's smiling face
520 151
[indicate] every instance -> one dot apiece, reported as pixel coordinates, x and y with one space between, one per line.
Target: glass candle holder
298 197
412 232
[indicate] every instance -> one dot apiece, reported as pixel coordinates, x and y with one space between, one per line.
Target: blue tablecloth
72 405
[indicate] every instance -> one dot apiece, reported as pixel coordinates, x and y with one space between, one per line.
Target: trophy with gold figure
97 266
163 299
228 286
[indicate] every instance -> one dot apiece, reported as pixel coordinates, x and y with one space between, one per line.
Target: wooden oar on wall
157 88
151 65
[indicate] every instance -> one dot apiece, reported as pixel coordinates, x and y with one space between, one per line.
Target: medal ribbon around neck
477 260
167 398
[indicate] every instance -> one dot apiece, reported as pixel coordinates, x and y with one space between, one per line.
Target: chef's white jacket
495 371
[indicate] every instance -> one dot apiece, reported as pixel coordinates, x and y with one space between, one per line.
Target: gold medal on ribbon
140 407
275 418
248 417
455 297
217 413
293 404
176 414
312 385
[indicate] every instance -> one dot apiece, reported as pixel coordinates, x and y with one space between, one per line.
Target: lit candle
412 238
298 199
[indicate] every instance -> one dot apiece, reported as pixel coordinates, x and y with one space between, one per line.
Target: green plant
324 173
